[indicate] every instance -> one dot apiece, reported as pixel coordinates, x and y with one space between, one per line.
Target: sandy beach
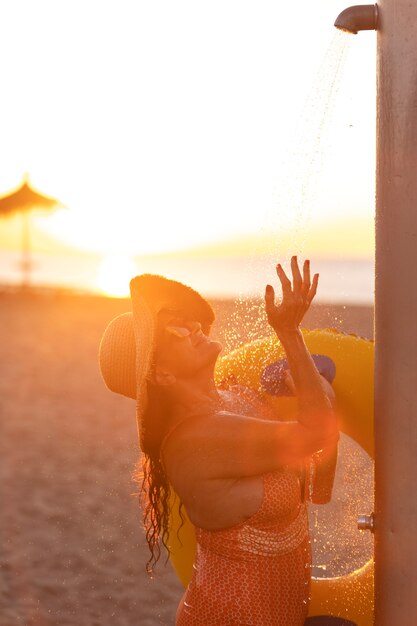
72 547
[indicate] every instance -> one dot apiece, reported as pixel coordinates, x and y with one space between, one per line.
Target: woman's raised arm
230 446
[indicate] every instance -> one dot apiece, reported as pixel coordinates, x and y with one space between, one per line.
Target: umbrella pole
26 261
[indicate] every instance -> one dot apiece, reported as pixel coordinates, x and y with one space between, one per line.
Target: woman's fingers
285 281
296 297
296 276
306 279
302 287
269 297
313 289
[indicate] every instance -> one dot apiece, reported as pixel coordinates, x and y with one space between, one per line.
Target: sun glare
114 275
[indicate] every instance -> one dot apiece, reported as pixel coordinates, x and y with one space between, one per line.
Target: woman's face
182 348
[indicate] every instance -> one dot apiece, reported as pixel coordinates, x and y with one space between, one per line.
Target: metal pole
396 317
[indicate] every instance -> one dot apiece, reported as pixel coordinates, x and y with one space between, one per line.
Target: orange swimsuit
256 573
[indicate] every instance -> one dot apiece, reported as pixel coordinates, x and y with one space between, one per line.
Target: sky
171 125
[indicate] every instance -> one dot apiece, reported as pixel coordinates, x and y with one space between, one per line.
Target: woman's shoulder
246 401
182 431
191 442
193 429
235 404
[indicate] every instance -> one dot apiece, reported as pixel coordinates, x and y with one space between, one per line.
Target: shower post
396 316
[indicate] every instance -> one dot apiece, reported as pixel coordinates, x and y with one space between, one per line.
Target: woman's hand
296 298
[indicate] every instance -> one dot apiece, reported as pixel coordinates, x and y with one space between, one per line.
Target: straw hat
128 343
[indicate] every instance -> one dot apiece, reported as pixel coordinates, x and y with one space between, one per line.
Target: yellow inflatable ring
348 597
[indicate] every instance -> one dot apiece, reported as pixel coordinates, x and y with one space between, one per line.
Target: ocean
349 281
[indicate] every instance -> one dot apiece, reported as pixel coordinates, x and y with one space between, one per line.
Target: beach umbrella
23 200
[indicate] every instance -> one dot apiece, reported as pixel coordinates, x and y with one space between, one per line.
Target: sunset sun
114 274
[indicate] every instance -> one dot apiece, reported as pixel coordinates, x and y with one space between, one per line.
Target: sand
72 549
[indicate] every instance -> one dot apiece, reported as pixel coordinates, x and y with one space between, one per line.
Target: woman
239 472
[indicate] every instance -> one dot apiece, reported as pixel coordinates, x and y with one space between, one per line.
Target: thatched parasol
23 200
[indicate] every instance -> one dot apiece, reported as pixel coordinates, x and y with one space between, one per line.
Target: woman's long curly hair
150 473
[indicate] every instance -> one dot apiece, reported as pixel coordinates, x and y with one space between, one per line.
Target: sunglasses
178 331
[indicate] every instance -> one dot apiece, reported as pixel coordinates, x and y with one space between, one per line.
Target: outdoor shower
395 518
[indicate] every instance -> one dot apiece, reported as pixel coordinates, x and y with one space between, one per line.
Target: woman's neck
193 398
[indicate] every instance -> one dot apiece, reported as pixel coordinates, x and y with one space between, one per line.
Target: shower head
359 17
